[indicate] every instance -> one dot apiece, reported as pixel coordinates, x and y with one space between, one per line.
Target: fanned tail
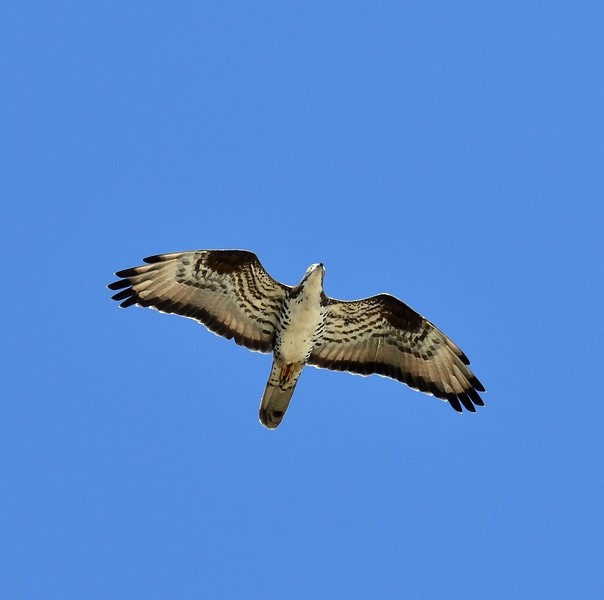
278 393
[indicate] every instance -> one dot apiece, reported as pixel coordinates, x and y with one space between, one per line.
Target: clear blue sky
451 154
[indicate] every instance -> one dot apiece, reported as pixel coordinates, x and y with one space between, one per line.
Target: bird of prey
230 293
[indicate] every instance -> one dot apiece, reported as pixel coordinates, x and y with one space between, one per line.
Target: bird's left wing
383 335
229 291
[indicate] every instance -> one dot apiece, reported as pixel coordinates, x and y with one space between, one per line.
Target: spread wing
227 290
383 335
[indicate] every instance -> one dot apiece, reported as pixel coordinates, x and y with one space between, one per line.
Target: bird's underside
232 295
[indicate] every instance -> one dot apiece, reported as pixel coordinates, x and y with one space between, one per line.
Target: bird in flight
231 293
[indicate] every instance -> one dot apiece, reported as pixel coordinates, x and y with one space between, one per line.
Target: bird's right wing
229 291
383 335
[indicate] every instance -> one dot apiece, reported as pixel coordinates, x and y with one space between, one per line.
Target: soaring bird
231 293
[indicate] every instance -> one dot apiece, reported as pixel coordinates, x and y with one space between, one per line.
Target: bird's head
316 271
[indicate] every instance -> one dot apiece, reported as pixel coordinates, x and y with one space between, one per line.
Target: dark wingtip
129 301
467 403
123 294
127 272
153 259
477 385
473 394
454 402
118 285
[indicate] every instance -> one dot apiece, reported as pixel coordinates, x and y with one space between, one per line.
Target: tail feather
278 393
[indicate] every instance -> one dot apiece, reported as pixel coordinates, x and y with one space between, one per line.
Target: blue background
448 153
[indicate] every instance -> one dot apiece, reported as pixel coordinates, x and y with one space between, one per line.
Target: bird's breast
300 323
